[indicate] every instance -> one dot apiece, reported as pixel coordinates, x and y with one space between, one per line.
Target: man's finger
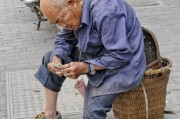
49 67
70 75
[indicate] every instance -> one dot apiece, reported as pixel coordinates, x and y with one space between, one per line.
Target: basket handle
157 61
146 100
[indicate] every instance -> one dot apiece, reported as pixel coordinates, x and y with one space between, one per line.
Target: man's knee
47 78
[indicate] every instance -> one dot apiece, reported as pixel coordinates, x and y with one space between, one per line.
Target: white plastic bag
80 86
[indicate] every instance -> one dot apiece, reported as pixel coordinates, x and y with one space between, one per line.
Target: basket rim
161 69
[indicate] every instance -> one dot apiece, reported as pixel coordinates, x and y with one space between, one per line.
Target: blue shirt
111 36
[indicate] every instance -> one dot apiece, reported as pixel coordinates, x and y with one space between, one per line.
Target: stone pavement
22 46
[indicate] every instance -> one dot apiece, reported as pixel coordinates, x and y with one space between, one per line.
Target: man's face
68 17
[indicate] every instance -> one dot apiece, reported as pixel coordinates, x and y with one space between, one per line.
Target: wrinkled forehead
54 3
51 8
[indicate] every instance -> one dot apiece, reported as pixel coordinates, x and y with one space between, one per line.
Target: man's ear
71 3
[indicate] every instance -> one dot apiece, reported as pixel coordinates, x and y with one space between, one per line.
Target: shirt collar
85 12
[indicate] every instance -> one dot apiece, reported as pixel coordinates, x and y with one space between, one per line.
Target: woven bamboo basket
148 100
133 105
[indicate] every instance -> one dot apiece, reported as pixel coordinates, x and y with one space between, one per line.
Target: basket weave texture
131 105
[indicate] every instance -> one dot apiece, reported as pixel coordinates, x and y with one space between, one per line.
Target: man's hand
55 60
74 69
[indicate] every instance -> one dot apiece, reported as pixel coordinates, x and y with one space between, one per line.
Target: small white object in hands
60 66
58 72
80 86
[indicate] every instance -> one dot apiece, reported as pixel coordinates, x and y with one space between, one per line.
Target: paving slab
142 3
26 97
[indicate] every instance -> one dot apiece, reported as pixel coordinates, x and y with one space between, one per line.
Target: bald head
51 8
66 13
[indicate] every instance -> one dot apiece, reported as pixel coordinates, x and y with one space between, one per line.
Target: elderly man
110 41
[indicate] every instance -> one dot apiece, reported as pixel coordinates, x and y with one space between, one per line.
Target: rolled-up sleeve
112 32
64 44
